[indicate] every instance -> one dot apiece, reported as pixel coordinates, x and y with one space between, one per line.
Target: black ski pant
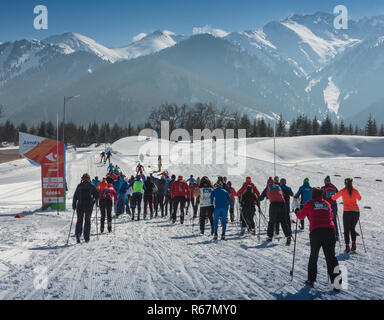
206 212
176 201
232 213
148 200
106 210
84 219
159 200
247 218
322 238
168 205
277 214
136 202
287 218
350 220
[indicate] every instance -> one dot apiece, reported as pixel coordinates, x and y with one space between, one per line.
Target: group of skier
166 194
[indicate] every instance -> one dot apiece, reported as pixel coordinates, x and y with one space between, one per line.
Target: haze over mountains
299 65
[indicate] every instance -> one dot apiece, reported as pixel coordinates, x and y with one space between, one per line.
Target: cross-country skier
248 202
168 199
322 234
102 156
116 170
277 210
206 208
248 182
179 193
149 190
351 213
109 155
191 198
122 191
330 190
83 202
191 179
220 198
232 192
159 195
139 169
103 184
287 193
107 195
304 193
137 196
96 182
159 163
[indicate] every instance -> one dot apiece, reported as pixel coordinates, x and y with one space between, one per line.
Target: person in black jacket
149 190
83 201
248 202
159 195
287 193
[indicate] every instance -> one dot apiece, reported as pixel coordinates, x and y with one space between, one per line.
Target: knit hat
283 181
306 180
327 179
86 176
270 181
248 179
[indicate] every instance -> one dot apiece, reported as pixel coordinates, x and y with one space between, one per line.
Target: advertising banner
49 154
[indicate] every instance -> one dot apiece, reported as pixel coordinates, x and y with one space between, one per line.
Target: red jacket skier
248 182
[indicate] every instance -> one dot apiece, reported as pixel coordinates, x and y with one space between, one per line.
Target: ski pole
97 227
294 251
362 237
339 228
70 229
259 224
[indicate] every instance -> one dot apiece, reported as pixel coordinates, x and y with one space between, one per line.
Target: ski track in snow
153 259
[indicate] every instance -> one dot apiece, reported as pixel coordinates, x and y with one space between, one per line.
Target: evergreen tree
371 127
326 126
280 127
315 126
263 130
42 129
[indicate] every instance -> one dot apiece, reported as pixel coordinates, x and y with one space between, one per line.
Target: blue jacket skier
305 193
221 198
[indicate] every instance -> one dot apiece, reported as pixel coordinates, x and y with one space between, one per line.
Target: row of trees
199 116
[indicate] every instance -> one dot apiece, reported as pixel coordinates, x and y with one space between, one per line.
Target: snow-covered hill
154 259
73 42
149 44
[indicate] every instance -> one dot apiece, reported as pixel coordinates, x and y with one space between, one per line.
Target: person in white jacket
206 208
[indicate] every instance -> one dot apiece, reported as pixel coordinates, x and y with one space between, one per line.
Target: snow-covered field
154 259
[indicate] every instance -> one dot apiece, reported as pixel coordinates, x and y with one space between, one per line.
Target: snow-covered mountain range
301 64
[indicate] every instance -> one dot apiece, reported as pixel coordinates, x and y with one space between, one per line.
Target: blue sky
115 22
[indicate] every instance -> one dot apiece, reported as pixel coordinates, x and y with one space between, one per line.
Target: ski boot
242 232
289 239
353 249
347 248
215 237
310 283
269 239
223 236
253 232
78 239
